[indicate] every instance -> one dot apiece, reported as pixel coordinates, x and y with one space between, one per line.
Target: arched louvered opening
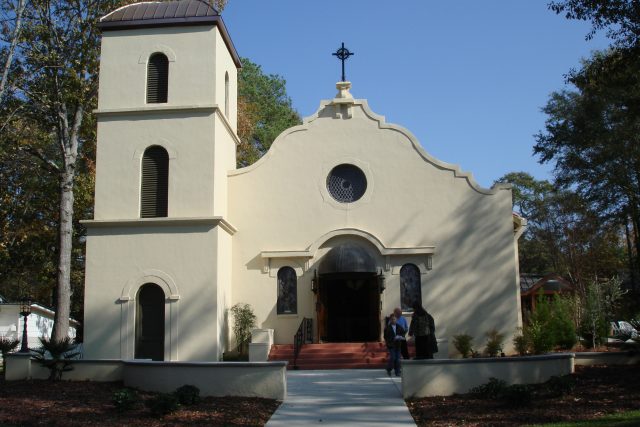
410 286
157 78
226 94
154 192
287 291
150 323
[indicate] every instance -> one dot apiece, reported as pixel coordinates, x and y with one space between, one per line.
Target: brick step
341 366
329 360
322 353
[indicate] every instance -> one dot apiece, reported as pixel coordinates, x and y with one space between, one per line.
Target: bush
539 336
56 355
517 395
494 343
521 343
491 390
462 343
243 321
558 386
188 394
163 404
125 399
7 345
562 324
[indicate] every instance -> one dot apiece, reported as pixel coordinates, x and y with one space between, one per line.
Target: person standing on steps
423 328
400 320
393 336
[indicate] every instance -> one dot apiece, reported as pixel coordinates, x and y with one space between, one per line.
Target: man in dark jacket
393 337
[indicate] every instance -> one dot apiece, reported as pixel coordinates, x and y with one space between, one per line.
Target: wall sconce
381 282
314 282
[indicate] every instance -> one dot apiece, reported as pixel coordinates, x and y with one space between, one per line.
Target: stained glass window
346 183
410 286
287 291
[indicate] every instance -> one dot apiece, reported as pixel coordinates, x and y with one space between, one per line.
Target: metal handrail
302 336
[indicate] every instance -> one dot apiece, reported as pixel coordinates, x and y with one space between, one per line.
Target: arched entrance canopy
347 258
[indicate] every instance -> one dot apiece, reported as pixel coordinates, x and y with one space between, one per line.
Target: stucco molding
158 48
142 146
307 254
213 221
156 109
382 124
158 277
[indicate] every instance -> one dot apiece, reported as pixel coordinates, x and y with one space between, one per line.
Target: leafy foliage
491 390
463 343
598 309
521 343
56 355
7 345
243 321
188 394
265 111
125 399
495 342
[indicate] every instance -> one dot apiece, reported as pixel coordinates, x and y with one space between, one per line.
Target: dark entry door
352 304
150 323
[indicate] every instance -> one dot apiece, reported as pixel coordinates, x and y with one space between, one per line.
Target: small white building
39 323
345 218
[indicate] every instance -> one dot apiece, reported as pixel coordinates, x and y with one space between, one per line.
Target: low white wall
608 358
422 378
83 370
261 379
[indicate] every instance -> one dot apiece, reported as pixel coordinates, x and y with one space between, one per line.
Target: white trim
214 221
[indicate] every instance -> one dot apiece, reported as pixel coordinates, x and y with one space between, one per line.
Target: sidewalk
353 397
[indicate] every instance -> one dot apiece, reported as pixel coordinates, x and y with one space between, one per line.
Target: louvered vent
157 79
155 183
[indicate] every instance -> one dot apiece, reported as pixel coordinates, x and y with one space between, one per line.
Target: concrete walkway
352 397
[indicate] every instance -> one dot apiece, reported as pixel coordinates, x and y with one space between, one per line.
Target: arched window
157 78
287 291
150 323
154 189
410 286
226 95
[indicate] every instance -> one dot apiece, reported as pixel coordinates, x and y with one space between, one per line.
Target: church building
343 219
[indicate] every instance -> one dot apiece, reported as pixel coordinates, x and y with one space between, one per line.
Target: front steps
360 355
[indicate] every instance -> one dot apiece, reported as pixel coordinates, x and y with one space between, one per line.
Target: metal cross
343 54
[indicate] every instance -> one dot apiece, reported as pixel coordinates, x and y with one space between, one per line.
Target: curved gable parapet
382 124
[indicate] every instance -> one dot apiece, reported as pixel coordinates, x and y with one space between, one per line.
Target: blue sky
467 77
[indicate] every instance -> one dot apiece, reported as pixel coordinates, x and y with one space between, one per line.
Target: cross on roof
343 54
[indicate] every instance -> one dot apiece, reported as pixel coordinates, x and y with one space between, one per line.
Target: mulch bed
598 391
66 403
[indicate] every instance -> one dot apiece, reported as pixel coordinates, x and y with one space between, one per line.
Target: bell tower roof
148 14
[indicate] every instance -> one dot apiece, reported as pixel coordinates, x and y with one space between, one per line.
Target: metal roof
149 14
161 10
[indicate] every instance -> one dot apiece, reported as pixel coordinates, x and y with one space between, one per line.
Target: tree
265 111
58 53
13 13
591 137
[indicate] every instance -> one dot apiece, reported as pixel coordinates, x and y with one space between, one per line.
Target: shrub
7 345
539 336
462 343
562 324
521 343
243 321
491 390
163 404
494 343
517 395
188 394
125 399
558 386
57 356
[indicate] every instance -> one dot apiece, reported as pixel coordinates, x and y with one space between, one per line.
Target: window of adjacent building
410 286
154 191
157 78
287 291
226 95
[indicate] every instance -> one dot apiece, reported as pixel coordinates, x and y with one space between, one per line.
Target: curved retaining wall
422 378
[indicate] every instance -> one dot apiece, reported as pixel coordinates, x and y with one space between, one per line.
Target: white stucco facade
227 232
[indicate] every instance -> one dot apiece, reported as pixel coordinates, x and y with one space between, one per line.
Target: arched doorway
348 304
150 322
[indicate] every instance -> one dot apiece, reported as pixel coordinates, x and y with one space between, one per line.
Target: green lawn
623 419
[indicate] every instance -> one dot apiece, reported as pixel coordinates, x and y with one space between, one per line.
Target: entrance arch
348 302
149 342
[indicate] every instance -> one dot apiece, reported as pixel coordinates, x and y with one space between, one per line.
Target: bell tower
167 118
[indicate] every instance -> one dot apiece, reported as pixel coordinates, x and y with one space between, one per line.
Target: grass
622 419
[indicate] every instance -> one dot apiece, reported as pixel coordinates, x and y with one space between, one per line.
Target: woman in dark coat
423 328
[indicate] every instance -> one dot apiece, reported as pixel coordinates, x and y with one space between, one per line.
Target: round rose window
346 183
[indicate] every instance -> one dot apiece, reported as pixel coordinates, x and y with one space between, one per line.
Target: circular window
346 183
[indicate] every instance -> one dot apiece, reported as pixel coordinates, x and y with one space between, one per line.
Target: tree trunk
63 299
